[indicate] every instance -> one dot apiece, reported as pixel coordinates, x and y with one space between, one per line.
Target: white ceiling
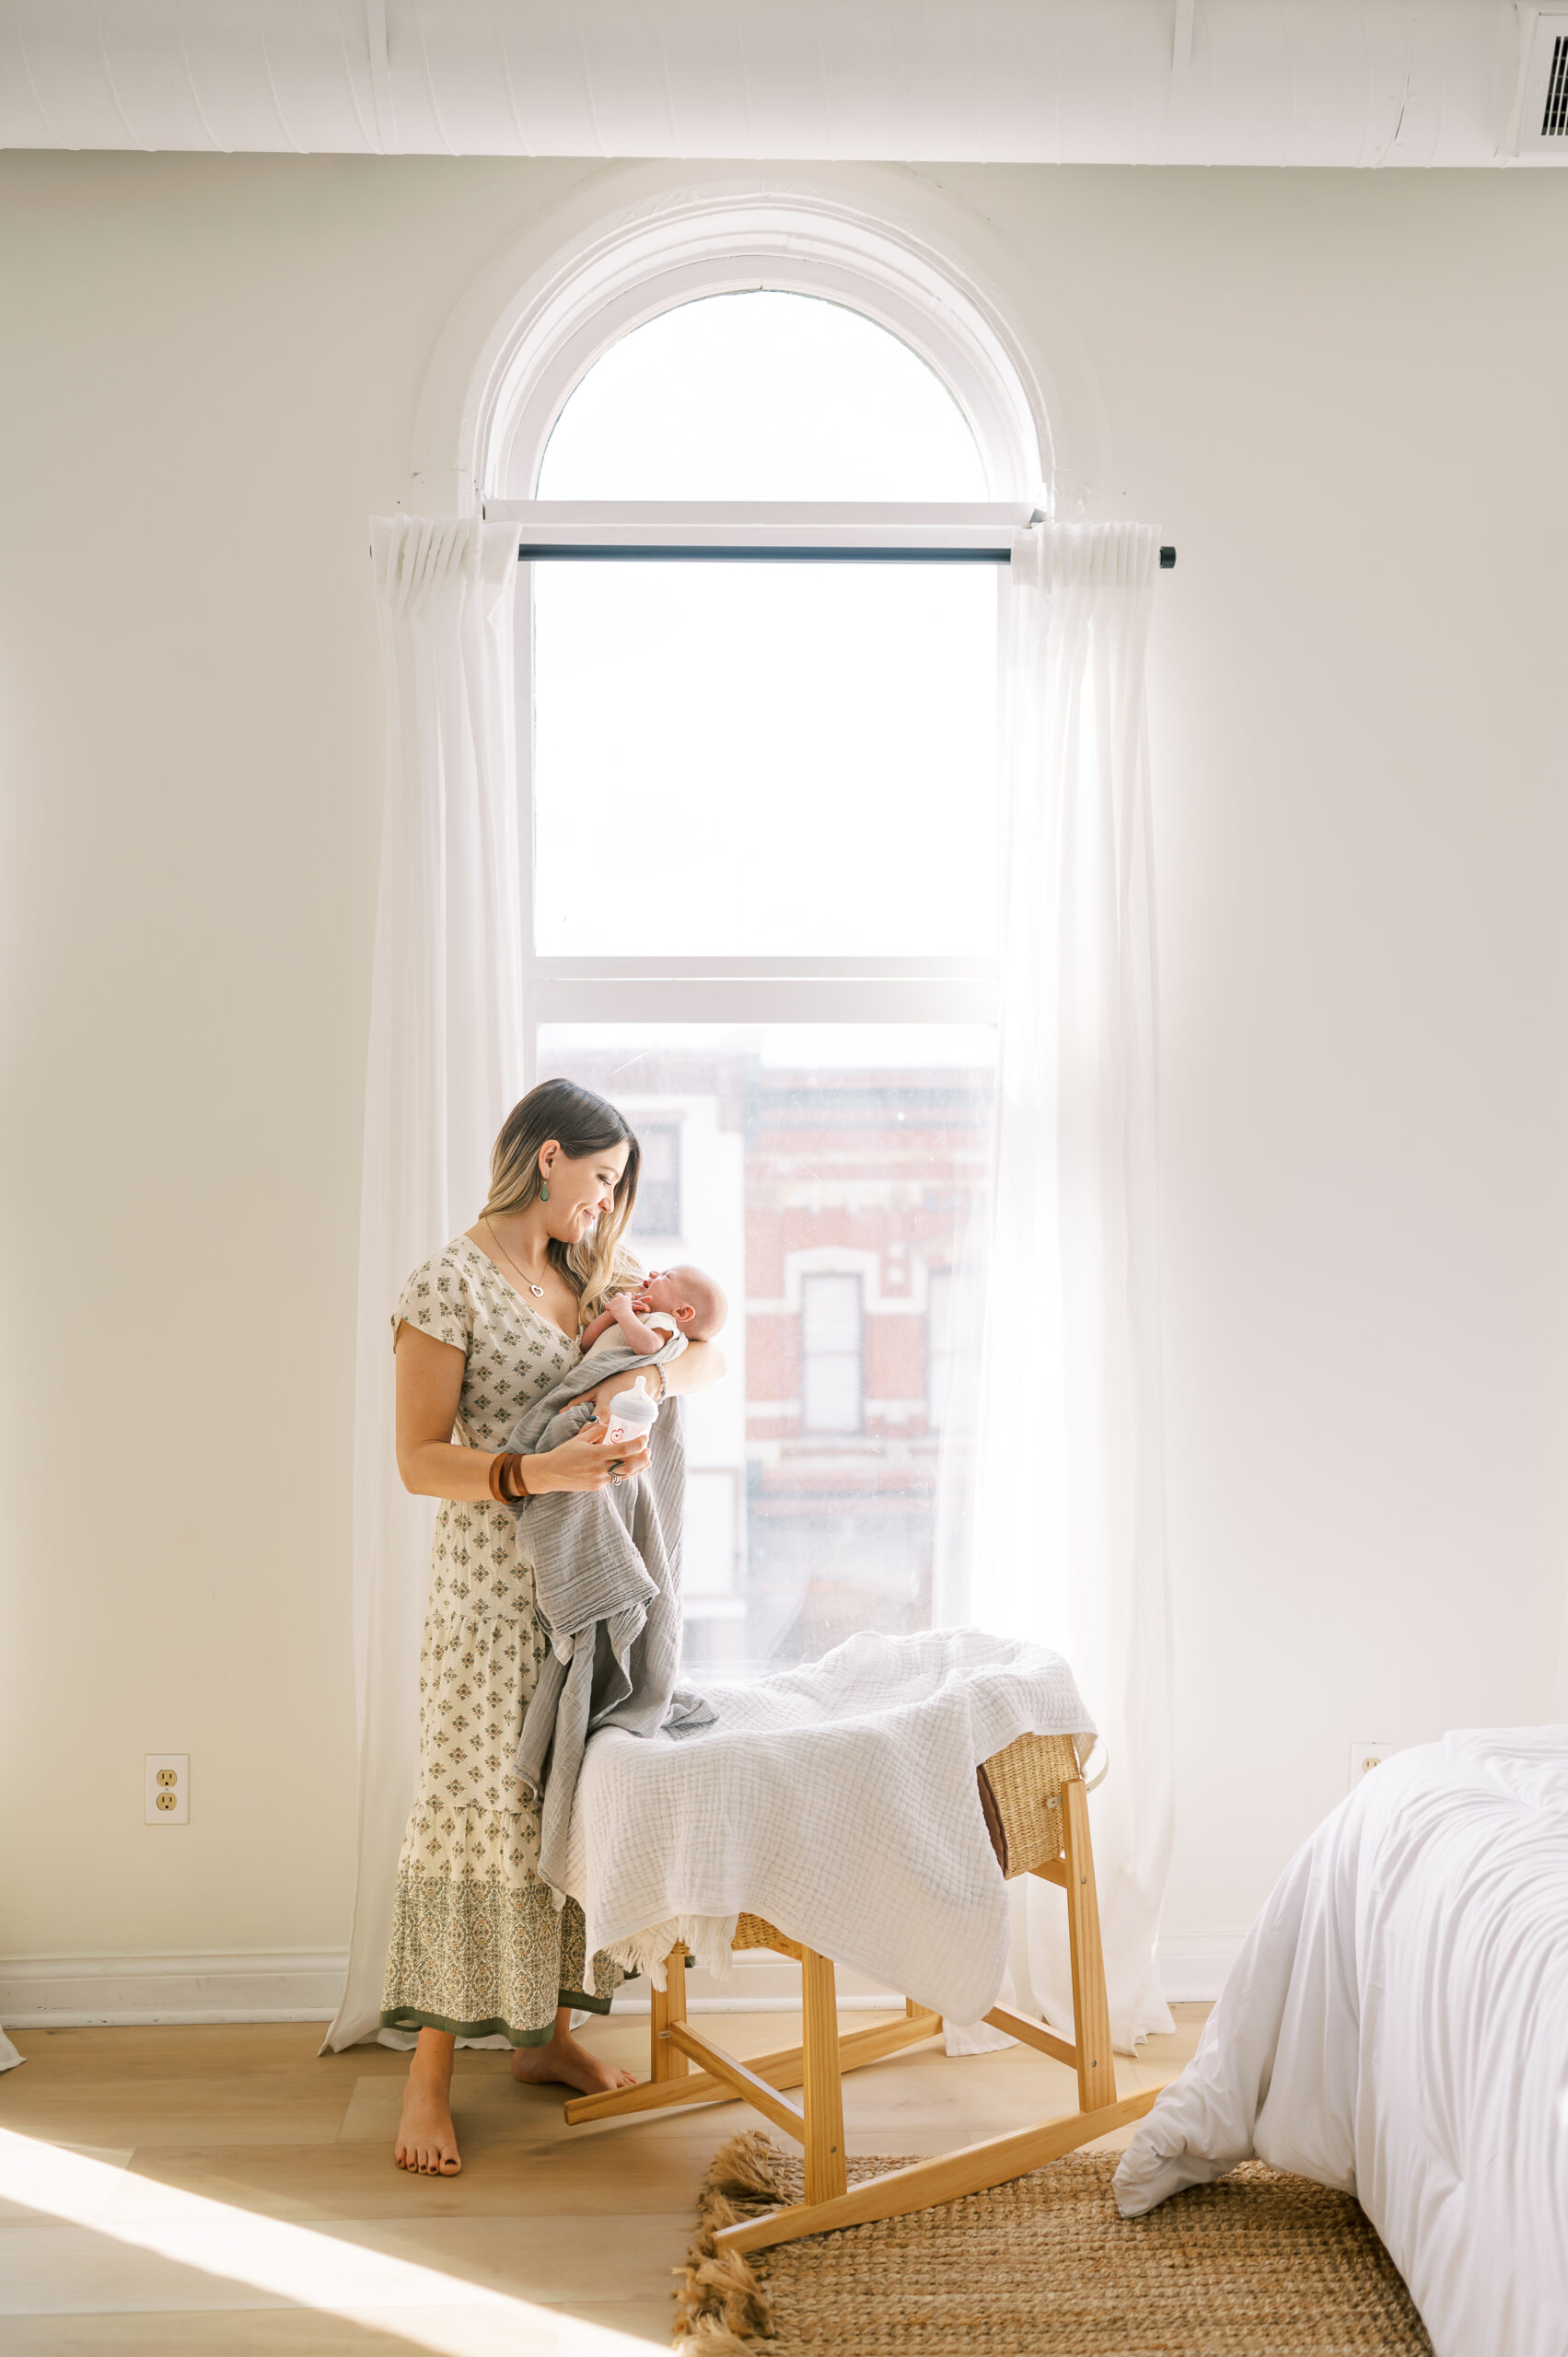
1323 82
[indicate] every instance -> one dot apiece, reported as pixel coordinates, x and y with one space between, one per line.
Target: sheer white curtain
1067 1519
445 1065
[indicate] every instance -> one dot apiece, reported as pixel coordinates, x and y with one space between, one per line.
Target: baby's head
696 1303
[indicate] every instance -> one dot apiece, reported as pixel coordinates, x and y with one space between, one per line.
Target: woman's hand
586 1463
430 1382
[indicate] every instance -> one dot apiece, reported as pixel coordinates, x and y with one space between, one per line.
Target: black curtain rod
574 552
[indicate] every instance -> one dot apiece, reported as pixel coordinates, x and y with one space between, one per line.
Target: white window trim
696 242
953 528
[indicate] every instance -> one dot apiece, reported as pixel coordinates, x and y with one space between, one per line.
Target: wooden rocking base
924 2183
818 2064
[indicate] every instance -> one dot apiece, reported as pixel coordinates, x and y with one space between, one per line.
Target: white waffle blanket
837 1800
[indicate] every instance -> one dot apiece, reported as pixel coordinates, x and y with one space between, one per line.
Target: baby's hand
626 1310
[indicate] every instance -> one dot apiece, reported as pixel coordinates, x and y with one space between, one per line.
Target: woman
480 1331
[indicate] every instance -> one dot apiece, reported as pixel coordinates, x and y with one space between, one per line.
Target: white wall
1339 395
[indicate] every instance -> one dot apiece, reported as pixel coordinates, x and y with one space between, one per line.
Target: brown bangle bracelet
505 1470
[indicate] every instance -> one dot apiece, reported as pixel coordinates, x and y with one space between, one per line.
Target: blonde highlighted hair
581 1124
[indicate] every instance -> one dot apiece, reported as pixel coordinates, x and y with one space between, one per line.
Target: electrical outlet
1363 1757
169 1788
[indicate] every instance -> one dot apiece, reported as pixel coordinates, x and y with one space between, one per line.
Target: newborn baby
669 1300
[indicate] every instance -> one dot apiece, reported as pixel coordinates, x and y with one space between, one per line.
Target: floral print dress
478 1943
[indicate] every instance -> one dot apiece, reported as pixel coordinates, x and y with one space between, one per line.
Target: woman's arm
430 1387
693 1369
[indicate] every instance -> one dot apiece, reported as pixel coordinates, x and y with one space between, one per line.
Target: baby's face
660 1290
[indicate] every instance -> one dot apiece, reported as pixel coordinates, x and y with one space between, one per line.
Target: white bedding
1397 2024
837 1800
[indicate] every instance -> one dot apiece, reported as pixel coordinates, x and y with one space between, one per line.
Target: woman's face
581 1190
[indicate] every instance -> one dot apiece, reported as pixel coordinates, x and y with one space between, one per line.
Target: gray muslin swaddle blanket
607 1584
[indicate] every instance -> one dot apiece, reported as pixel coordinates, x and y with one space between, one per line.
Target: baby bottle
632 1414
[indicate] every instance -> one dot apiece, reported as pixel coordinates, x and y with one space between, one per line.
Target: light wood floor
226 2190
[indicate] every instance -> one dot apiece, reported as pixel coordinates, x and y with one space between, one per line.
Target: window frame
605 280
682 988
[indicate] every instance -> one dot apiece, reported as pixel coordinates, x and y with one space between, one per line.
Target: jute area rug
1260 2265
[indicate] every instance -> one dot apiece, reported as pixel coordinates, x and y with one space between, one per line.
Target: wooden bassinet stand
1037 1812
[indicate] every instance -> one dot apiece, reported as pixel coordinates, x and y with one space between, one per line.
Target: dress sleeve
437 1299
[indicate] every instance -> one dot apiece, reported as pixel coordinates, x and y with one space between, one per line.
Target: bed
1396 2026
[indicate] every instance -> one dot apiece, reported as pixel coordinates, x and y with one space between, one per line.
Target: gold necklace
536 1291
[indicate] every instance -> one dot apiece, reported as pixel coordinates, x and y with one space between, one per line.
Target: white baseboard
78 1991
133 1992
1193 1970
627 2002
74 1992
761 1982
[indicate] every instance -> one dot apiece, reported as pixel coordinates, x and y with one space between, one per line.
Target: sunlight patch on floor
281 2264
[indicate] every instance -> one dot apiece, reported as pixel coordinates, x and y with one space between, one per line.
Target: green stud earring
545 1191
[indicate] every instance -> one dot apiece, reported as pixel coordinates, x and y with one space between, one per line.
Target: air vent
1539 125
1554 121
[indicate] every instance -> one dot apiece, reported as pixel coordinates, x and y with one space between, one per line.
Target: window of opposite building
832 1355
658 1186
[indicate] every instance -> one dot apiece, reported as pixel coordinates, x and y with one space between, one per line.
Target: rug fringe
721 2308
746 2167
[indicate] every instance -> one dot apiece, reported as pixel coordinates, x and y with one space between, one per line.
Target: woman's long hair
582 1124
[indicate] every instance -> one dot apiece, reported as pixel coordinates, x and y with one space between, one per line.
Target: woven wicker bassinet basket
1020 1792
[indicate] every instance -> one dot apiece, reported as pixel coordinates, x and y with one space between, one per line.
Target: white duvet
1396 2026
838 1801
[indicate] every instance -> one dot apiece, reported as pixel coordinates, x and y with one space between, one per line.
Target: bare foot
565 2063
427 2141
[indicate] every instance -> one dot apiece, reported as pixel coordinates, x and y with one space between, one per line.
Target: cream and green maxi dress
477 1945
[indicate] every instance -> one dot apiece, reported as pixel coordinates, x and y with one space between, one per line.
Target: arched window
764 396
757 659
